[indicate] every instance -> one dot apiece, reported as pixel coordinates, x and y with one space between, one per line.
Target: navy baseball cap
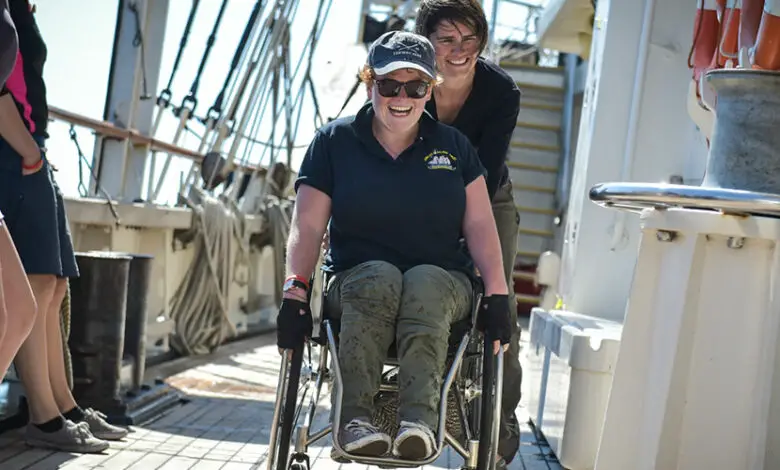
402 50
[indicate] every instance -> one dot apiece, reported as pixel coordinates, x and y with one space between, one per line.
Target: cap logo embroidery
411 49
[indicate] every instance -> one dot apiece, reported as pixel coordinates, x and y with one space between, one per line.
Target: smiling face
399 115
457 48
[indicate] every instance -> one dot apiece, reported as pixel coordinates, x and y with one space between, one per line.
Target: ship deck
224 424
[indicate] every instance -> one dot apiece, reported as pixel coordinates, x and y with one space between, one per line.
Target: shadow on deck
225 425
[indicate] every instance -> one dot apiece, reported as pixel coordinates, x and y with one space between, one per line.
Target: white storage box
567 375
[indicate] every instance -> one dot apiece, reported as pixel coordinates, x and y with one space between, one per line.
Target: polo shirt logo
440 160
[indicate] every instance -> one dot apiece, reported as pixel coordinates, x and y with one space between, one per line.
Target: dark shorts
35 216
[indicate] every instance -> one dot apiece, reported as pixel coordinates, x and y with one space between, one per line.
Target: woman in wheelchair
398 192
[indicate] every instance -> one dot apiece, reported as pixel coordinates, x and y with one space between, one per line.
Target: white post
634 127
693 380
120 167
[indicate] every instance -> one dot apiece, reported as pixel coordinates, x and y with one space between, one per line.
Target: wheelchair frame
484 414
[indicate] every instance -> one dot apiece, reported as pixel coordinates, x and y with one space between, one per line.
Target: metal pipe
440 435
316 436
107 129
564 177
456 445
633 117
636 197
234 94
257 52
281 389
492 31
262 77
184 116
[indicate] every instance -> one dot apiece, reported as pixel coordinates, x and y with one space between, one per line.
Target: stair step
536 233
538 76
536 116
529 254
524 275
536 87
535 146
536 222
528 299
536 210
542 106
533 189
525 175
532 243
528 167
534 156
538 126
542 138
544 199
509 65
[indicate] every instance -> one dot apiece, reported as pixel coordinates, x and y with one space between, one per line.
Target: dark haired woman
482 101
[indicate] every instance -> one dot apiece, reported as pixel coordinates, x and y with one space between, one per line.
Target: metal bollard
743 153
98 305
135 320
135 401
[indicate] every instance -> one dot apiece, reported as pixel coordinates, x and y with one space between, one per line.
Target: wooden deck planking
225 425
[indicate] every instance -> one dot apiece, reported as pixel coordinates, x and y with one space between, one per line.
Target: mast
133 80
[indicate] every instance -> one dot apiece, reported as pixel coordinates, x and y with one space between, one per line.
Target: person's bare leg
59 381
34 354
56 362
19 303
50 429
3 317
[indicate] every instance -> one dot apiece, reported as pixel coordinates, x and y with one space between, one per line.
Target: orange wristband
35 166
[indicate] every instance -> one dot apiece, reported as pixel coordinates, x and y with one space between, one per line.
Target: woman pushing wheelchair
398 192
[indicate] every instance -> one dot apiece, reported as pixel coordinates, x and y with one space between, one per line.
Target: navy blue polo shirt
488 118
406 211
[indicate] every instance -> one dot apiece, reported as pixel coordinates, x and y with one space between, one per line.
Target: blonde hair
367 75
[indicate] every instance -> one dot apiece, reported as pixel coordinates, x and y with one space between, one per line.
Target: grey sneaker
414 441
100 428
74 438
360 437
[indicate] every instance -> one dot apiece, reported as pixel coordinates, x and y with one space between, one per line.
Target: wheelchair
469 407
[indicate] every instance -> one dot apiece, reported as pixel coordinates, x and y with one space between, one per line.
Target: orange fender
706 33
767 52
750 20
729 32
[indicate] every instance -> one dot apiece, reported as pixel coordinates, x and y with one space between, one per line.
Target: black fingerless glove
294 324
494 319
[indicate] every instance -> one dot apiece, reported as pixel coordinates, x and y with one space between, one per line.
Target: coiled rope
65 331
277 213
200 304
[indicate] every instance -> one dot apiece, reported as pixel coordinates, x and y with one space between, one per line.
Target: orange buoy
729 33
767 51
706 32
749 21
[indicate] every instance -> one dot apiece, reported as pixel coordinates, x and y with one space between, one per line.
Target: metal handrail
636 197
107 129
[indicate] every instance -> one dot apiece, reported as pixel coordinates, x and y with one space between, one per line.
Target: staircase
533 167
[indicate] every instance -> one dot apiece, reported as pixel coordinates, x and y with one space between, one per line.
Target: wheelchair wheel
484 410
286 411
297 397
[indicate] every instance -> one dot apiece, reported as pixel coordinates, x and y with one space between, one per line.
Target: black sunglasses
390 88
